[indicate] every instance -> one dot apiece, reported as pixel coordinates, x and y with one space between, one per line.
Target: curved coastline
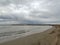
34 39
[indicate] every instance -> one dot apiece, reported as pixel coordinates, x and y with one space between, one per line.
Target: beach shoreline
23 36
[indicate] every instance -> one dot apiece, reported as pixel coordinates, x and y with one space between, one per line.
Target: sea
9 32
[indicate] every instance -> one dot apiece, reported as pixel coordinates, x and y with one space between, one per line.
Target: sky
29 11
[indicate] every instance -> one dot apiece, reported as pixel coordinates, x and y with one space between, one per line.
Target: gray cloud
28 11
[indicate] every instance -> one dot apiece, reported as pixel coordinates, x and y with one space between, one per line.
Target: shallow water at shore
13 32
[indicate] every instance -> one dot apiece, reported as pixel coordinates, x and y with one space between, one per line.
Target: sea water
12 32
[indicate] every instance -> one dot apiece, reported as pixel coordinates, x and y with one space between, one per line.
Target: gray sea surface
12 32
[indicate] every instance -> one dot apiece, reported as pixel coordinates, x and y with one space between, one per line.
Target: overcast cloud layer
30 11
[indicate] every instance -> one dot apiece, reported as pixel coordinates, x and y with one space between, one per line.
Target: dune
48 37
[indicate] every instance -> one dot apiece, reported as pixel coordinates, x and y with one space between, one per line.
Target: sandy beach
48 37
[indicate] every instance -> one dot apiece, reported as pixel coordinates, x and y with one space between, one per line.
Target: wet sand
49 37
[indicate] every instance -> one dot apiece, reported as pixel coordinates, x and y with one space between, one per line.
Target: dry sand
49 37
